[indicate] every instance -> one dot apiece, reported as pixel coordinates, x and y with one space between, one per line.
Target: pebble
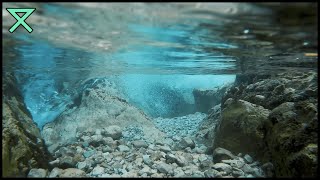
38 173
248 158
123 148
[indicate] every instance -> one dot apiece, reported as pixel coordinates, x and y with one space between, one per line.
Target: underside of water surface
161 90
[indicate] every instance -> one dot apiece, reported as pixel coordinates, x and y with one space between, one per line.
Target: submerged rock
72 172
220 154
22 145
39 173
241 127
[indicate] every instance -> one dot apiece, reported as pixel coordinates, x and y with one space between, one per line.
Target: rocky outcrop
274 119
96 108
22 146
291 137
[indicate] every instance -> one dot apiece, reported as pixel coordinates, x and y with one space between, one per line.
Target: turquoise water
156 54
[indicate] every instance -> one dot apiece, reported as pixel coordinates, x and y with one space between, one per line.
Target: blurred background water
155 53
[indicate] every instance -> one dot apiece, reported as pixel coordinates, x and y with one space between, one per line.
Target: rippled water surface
138 46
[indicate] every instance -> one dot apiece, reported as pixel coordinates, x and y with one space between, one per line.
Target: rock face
272 119
103 109
240 128
22 146
292 139
206 99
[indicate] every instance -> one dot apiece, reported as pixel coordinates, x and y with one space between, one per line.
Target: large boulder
22 146
97 108
240 128
291 137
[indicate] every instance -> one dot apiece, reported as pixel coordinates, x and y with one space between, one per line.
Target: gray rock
98 170
234 163
147 160
38 173
89 153
82 165
55 172
72 172
85 144
248 158
145 170
170 158
139 144
223 167
164 168
123 148
236 172
186 142
211 173
67 162
112 131
55 162
96 140
107 148
222 154
257 172
247 169
181 161
165 149
109 141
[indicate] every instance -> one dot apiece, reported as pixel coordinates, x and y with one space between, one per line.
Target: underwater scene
211 90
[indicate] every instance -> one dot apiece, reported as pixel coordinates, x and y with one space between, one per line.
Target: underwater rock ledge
22 145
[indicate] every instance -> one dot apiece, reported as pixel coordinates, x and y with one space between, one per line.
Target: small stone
147 160
109 141
222 167
66 162
112 131
165 149
170 158
82 165
248 158
88 153
72 172
98 170
181 161
139 144
234 163
186 142
164 168
237 172
146 169
55 162
85 144
247 169
38 173
211 173
123 148
55 172
107 148
222 154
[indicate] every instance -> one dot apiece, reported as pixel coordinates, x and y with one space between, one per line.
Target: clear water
150 50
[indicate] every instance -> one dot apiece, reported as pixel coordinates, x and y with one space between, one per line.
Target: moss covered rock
22 146
292 137
241 127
